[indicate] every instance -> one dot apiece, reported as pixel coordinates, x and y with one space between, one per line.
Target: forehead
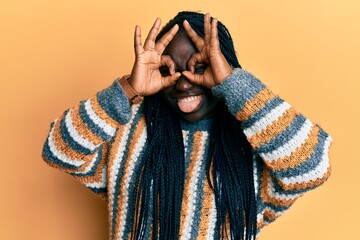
180 48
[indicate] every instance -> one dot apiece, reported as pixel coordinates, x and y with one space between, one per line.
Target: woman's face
191 102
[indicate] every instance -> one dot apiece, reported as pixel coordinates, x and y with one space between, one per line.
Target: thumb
170 80
196 79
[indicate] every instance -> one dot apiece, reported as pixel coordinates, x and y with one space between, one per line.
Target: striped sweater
100 141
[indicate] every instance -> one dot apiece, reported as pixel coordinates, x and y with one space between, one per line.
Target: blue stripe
270 105
258 167
284 137
51 157
98 190
277 208
91 125
70 141
310 163
280 190
96 163
200 190
189 150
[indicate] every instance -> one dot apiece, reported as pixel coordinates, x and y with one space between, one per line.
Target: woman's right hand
146 78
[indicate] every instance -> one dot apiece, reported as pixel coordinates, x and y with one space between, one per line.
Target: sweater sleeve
293 151
79 139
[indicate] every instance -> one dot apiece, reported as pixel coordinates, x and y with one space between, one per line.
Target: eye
200 68
164 71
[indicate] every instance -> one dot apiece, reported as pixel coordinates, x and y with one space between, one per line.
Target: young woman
189 145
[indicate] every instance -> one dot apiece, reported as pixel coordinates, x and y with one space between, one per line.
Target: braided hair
160 183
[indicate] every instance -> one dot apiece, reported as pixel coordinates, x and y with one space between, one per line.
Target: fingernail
186 22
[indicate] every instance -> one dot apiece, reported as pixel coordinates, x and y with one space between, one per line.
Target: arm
79 139
290 152
293 150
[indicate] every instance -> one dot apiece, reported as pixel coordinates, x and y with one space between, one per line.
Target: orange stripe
190 169
272 130
103 196
269 215
305 185
66 150
98 171
82 128
265 192
254 104
100 112
205 211
133 142
260 223
301 153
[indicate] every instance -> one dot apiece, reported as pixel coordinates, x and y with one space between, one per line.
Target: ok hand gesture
145 77
209 53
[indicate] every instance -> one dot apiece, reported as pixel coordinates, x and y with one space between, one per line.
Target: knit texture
100 141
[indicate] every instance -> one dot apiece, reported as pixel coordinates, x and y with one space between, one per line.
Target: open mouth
189 104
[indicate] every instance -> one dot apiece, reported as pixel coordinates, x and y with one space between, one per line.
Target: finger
214 41
196 39
166 39
150 39
207 28
170 80
137 40
196 79
194 59
169 62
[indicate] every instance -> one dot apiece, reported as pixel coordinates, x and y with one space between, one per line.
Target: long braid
160 182
161 179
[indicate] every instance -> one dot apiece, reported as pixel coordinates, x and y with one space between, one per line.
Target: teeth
188 99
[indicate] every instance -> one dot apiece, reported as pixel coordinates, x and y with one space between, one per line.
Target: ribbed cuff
238 89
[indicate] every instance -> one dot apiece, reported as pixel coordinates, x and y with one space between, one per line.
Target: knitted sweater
100 141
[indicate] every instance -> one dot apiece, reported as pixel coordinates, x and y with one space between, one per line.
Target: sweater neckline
201 125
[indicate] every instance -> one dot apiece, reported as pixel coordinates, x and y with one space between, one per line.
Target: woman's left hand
218 69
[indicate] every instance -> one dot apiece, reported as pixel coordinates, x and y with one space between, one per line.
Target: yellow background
55 53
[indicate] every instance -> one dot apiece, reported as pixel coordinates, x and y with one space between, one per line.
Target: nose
183 84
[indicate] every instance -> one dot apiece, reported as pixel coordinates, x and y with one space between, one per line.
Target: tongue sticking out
189 104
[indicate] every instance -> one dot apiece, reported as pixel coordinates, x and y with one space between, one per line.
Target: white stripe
114 171
278 195
90 166
268 119
259 216
185 138
193 191
127 177
58 154
75 135
290 147
314 174
102 183
273 212
256 177
212 219
97 120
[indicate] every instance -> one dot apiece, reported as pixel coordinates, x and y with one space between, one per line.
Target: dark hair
161 180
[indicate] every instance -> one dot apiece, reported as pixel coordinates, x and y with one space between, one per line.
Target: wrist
129 91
